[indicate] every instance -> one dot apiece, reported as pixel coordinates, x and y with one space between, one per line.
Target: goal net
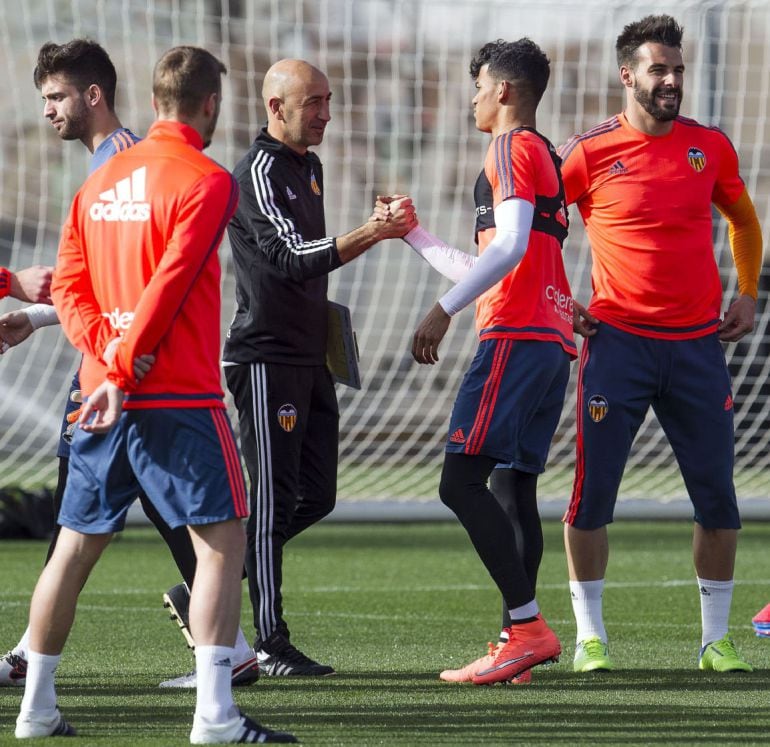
401 121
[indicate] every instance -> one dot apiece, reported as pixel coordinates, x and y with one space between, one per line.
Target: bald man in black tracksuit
275 352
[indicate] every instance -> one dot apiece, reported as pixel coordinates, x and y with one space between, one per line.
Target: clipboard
342 347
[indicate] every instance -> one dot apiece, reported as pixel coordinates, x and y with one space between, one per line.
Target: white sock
39 692
530 609
214 702
22 646
242 650
587 608
715 600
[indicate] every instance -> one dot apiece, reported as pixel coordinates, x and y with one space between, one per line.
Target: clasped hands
396 213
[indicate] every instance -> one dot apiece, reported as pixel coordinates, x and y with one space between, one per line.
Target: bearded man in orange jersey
644 182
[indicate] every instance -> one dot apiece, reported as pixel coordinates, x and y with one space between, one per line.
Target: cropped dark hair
184 77
83 62
522 63
661 29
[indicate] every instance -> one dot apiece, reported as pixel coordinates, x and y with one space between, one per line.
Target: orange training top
533 302
646 203
138 260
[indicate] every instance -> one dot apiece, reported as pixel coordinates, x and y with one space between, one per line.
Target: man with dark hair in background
77 81
644 182
141 241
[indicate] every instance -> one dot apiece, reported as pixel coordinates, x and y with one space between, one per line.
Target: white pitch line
110 592
98 607
486 587
651 584
418 618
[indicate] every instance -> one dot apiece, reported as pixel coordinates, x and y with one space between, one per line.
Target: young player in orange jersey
511 398
137 289
644 182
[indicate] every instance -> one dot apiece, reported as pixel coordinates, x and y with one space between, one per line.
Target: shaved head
296 96
287 77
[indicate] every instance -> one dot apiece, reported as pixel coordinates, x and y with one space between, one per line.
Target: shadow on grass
122 721
622 707
407 708
615 708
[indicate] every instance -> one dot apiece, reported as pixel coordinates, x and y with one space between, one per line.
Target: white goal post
401 121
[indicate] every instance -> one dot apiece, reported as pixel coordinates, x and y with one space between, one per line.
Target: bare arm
32 284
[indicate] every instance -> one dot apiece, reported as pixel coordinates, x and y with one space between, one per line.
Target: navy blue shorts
510 402
185 460
687 384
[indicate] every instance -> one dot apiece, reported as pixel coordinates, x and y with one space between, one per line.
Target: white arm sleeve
41 315
450 262
513 221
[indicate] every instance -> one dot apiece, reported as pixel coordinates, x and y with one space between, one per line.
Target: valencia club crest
697 159
287 417
598 408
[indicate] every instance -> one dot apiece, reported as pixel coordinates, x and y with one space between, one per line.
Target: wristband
5 282
41 315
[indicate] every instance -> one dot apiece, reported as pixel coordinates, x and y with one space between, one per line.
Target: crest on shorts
314 184
598 408
697 159
287 417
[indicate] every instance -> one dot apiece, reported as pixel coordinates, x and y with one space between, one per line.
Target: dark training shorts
510 401
687 384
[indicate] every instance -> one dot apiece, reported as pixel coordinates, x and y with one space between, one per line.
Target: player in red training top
511 398
644 182
137 291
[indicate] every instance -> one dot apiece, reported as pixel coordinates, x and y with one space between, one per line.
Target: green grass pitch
389 606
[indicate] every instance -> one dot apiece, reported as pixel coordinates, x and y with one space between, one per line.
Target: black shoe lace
17 662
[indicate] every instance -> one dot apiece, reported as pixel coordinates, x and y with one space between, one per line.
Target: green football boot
592 655
721 656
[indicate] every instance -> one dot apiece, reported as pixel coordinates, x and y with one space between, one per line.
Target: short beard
76 126
647 101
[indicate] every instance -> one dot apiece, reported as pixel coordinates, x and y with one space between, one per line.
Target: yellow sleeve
745 242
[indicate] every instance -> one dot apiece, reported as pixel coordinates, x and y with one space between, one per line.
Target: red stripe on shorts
577 486
489 398
232 462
